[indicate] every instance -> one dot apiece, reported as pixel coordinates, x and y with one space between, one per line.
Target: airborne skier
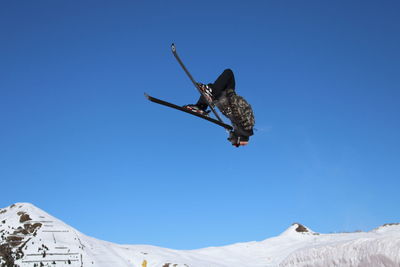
222 94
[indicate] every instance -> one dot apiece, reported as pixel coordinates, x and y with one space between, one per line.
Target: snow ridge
31 237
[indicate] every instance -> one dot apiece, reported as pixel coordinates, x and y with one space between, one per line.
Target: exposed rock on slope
31 237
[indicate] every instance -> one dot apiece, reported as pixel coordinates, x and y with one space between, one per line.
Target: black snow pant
225 81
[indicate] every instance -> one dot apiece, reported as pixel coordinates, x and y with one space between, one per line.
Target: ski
168 104
173 48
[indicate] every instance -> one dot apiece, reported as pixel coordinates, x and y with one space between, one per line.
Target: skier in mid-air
222 94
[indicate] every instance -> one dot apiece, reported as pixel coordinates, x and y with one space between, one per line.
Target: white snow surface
31 237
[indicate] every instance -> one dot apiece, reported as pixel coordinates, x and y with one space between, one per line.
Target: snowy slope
31 237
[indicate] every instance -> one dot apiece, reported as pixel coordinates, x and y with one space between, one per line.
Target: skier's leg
202 103
225 81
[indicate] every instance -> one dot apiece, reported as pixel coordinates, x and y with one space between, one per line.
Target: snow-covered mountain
31 237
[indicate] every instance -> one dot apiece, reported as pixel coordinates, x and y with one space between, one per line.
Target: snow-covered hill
31 237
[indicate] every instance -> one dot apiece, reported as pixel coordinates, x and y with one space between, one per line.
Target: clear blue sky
79 140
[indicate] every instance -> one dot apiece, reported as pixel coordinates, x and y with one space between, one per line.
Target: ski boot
207 91
197 109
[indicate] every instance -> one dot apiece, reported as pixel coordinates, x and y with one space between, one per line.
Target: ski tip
173 48
147 96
